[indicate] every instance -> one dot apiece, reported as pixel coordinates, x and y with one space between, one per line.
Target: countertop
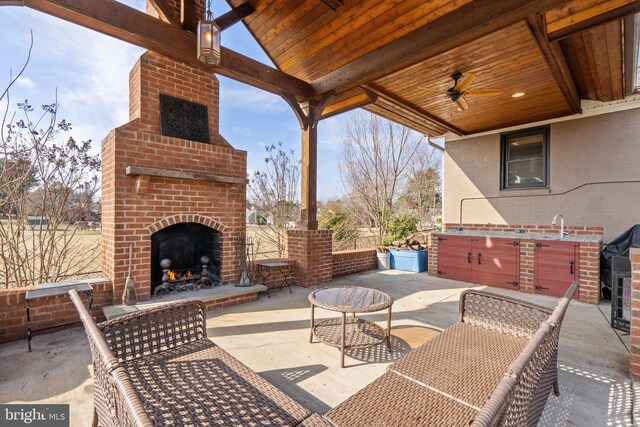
527 236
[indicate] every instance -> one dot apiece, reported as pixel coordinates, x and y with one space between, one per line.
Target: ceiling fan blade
465 81
483 92
462 103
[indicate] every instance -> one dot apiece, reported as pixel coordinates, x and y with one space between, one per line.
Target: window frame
505 139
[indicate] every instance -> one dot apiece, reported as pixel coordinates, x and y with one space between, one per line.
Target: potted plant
408 254
382 252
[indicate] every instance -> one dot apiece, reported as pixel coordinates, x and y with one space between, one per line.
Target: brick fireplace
156 185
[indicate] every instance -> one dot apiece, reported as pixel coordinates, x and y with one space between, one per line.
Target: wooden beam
556 61
612 15
409 109
343 105
165 11
177 174
133 26
235 15
631 53
188 15
463 25
333 4
303 120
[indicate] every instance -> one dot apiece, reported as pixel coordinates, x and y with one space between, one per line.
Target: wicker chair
496 366
157 367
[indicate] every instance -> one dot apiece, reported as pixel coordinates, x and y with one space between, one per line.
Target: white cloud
331 133
25 82
251 99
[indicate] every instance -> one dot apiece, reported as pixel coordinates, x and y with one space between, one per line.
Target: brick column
312 250
634 364
432 255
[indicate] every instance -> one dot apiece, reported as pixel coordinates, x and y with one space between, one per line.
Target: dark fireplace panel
184 244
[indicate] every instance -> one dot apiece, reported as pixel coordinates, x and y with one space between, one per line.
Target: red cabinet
556 266
455 258
484 260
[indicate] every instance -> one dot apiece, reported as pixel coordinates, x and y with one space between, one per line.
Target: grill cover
618 246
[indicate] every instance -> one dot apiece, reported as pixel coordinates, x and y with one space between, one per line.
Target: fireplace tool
246 256
129 296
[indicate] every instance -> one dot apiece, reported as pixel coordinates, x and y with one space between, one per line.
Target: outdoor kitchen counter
525 236
537 261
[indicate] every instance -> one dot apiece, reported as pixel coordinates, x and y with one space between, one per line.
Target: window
525 158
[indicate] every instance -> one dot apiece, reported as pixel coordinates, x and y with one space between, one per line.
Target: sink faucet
554 222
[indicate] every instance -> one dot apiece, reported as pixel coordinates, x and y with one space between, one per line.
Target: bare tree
274 194
379 157
42 182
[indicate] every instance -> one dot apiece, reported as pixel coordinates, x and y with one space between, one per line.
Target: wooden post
309 181
308 113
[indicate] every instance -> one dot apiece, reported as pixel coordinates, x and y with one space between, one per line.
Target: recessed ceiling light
517 95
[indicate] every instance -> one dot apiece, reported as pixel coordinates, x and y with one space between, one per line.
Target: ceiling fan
459 89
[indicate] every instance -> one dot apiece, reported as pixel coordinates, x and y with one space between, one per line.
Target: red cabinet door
556 267
454 258
496 262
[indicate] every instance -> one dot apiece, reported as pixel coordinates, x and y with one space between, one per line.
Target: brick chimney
182 180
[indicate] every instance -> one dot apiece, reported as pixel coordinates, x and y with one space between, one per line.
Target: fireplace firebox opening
186 246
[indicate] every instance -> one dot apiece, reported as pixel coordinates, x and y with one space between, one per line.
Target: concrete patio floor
271 336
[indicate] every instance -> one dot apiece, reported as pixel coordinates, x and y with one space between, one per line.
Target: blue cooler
409 260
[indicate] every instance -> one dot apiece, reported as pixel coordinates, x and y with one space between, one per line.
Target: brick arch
180 218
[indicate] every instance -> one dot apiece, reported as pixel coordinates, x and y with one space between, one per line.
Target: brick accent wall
589 290
134 208
353 261
45 312
634 365
311 249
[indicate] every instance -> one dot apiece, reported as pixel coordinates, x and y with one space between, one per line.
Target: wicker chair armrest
501 313
102 354
129 410
151 331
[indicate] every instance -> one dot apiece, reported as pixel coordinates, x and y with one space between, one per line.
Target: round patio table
349 333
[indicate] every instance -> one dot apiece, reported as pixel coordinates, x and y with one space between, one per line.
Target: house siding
602 148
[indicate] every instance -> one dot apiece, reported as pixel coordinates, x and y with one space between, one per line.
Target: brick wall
353 261
634 365
46 312
311 249
589 258
135 207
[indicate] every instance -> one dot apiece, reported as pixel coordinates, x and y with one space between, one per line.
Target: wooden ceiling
307 39
561 52
517 66
395 57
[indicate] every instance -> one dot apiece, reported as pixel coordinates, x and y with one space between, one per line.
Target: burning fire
175 276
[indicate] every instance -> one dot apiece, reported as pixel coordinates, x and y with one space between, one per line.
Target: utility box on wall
408 260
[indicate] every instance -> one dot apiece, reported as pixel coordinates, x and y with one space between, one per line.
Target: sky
90 72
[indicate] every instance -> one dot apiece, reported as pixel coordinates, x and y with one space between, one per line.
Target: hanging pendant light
209 38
